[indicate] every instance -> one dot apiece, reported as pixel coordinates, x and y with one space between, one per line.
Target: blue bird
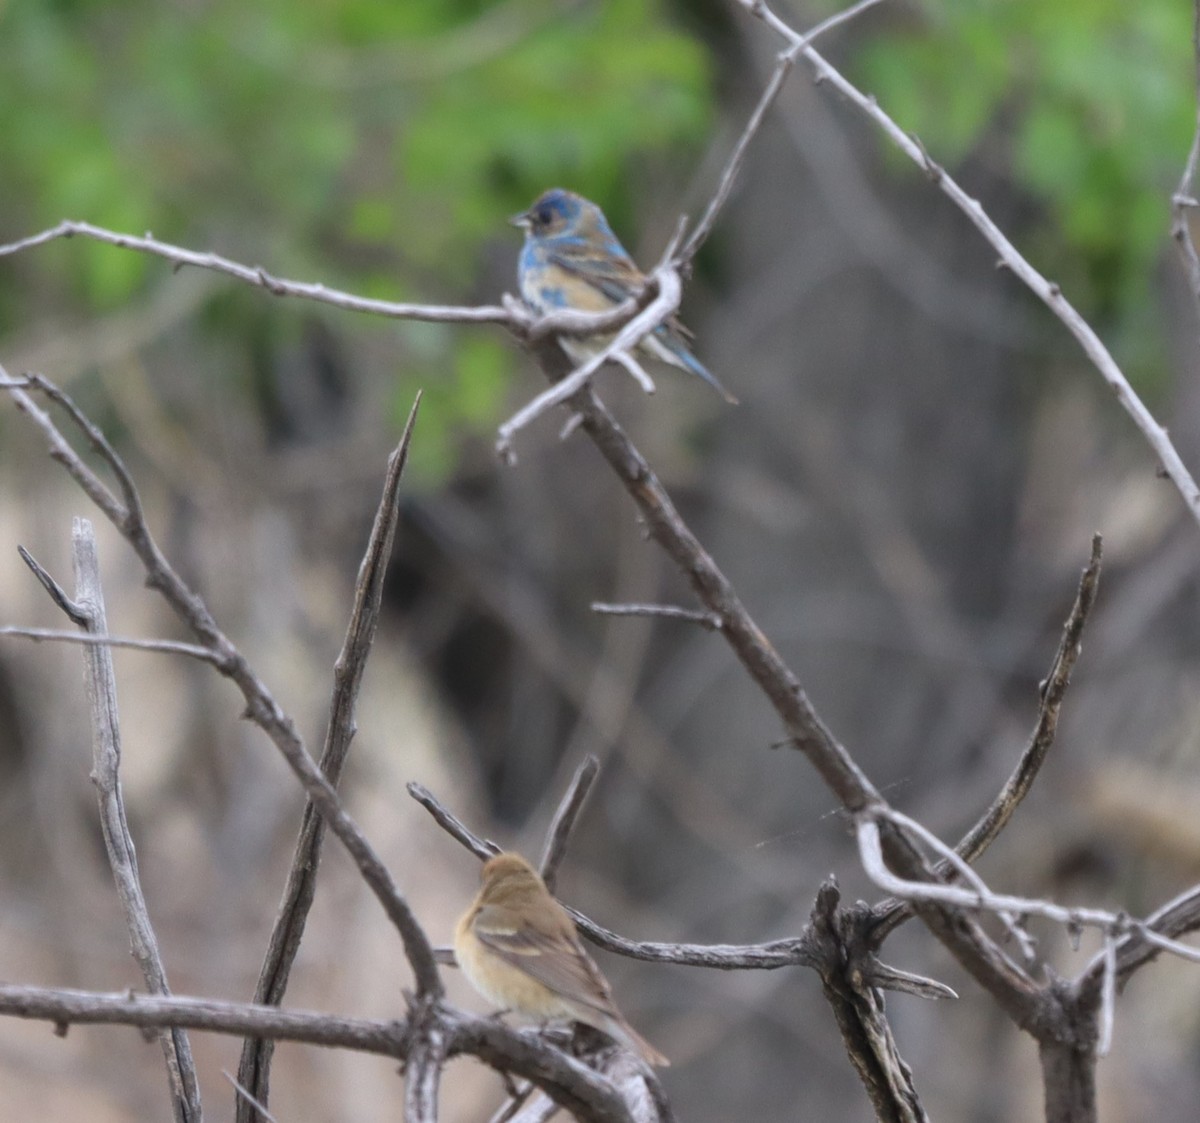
572 259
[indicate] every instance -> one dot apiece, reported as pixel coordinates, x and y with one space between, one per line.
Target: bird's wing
613 274
608 269
554 957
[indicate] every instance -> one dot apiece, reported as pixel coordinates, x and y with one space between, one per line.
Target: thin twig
483 849
708 620
288 930
783 66
1012 923
1047 291
565 818
518 1096
984 900
118 842
243 1094
1142 943
890 914
260 278
1052 692
163 646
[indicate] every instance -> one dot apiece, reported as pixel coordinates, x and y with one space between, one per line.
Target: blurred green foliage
1086 105
374 144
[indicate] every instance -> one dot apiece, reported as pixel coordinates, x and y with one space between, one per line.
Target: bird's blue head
555 212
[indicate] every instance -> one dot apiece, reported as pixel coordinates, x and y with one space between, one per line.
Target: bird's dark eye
544 216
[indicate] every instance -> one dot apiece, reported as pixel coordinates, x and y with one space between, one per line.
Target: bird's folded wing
613 274
555 959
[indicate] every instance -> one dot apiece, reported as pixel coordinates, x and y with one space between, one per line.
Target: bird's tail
667 344
619 1029
698 368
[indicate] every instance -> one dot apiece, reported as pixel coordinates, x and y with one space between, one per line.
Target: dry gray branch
162 646
261 707
589 1095
565 818
1053 691
288 929
737 156
118 842
1047 291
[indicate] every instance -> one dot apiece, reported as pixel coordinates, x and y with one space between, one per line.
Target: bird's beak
522 220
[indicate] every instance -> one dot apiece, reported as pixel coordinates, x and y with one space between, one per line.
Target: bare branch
981 899
713 589
483 849
163 646
260 278
512 314
721 957
1047 291
65 1008
288 929
841 952
571 1084
118 842
806 731
261 706
565 818
423 1070
1053 690
783 67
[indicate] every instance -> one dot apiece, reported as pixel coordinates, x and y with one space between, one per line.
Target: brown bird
518 947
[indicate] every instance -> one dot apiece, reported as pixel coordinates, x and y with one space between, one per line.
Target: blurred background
904 499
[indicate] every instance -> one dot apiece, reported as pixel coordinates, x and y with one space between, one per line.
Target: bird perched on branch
518 947
572 259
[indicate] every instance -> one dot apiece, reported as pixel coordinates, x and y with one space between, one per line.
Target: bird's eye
544 216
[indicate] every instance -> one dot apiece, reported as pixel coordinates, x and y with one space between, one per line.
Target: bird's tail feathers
697 367
670 348
619 1029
